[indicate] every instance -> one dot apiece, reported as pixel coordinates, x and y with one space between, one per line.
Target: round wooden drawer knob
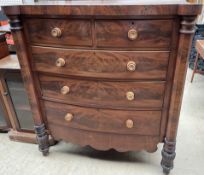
65 90
129 123
68 117
56 32
60 62
132 34
131 66
130 95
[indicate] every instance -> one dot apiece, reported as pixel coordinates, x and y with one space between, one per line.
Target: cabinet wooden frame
6 127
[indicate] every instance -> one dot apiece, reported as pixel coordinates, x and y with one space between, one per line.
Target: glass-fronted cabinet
14 101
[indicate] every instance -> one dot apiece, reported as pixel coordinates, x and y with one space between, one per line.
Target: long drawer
103 93
101 120
101 64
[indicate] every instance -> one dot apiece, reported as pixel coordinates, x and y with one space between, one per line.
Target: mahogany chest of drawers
109 74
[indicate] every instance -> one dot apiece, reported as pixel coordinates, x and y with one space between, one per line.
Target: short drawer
101 64
133 33
101 120
59 32
103 93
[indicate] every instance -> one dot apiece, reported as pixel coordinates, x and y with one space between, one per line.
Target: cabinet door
20 101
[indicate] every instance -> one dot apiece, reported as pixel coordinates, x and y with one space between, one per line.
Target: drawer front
59 32
104 94
134 33
101 64
100 120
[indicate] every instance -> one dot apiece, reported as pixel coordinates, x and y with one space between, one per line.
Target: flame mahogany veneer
109 74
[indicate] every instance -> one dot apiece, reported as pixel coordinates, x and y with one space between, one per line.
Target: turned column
29 83
185 39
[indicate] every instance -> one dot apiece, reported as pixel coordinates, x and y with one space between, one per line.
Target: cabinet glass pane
20 101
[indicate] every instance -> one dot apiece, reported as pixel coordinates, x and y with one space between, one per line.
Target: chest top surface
107 7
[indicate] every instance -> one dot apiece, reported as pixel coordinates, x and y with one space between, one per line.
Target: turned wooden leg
168 156
42 139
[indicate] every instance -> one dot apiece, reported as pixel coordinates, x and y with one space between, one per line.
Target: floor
65 158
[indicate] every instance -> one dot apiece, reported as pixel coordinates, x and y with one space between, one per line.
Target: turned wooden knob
56 32
132 34
65 90
131 66
68 117
60 62
129 123
130 95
